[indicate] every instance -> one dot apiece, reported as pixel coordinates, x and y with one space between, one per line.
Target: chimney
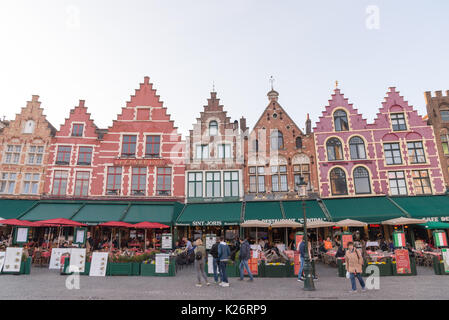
242 124
308 125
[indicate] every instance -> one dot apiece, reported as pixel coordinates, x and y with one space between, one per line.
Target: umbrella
149 225
256 224
15 222
286 224
403 221
350 223
60 222
319 224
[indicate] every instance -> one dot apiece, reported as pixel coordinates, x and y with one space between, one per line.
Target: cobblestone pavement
49 284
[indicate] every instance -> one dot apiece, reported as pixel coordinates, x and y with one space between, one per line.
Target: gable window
298 143
202 152
341 121
213 128
195 184
213 184
82 184
59 183
361 181
397 183
334 149
416 152
114 182
398 122
301 171
338 182
8 182
256 179
277 140
231 183
29 126
77 130
163 182
12 154
35 154
421 182
85 156
255 145
139 177
63 155
357 148
445 144
152 147
30 183
444 115
279 178
224 151
392 153
129 146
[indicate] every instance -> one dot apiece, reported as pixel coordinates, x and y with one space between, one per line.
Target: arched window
334 149
298 143
361 181
29 127
277 140
338 182
341 121
357 148
213 128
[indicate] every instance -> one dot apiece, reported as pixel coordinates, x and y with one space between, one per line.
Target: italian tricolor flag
440 239
399 239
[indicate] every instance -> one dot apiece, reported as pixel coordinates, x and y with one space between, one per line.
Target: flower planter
438 266
25 266
119 269
135 270
149 269
385 268
276 270
65 270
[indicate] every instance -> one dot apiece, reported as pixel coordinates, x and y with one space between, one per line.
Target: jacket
302 249
354 261
223 251
201 249
214 250
245 251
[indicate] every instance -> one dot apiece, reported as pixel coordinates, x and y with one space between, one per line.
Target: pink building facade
395 155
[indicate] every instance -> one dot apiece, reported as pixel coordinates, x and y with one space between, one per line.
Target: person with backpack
200 256
223 257
245 255
354 264
214 253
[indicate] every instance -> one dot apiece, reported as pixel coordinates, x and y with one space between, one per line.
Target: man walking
214 253
302 256
223 256
245 254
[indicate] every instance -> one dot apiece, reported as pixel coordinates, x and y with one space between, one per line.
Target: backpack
198 255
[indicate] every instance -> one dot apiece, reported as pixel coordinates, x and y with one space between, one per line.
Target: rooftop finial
213 86
271 80
336 84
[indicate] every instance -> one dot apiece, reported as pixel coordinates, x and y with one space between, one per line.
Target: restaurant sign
402 261
140 162
206 223
437 219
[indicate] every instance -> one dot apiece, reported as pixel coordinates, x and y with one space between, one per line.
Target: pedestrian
354 264
223 256
216 262
200 256
245 254
302 256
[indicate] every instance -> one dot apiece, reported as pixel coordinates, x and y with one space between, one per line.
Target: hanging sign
402 261
399 239
445 256
77 259
345 239
211 239
166 241
162 263
55 259
13 259
98 264
2 259
21 235
80 235
440 238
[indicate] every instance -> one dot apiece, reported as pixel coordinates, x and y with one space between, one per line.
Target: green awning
267 211
11 209
294 210
369 209
161 213
45 211
94 213
432 225
434 208
210 214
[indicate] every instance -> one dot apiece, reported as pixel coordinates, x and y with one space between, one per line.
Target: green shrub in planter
119 269
275 270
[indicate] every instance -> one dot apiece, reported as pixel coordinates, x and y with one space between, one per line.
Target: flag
440 239
399 239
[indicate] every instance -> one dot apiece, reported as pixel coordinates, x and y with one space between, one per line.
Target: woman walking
200 257
354 264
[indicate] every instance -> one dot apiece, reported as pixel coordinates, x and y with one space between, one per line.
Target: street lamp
308 281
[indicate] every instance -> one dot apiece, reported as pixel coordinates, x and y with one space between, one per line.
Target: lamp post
308 281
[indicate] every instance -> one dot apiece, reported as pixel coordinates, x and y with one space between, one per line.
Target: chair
38 258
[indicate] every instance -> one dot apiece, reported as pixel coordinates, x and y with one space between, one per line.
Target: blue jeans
359 276
301 268
217 272
224 276
244 264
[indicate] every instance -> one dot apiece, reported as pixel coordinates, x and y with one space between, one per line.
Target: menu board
21 234
445 255
402 261
98 264
2 259
55 259
13 259
166 241
80 235
77 259
298 239
346 238
210 264
162 263
210 240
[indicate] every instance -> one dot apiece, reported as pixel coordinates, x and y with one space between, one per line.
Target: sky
100 51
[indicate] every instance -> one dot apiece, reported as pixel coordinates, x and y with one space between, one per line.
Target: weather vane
271 80
213 86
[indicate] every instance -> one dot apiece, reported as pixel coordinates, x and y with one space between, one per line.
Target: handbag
348 275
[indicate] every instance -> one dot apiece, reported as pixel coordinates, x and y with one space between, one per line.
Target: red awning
15 222
150 225
59 222
117 224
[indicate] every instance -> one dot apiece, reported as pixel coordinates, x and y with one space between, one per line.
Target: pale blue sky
100 51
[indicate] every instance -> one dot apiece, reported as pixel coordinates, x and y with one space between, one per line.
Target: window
30 183
29 126
213 184
416 152
139 177
277 140
59 183
195 184
338 182
152 147
129 146
213 128
445 144
398 121
77 130
301 171
63 156
12 154
163 181
82 184
357 148
231 183
256 179
202 152
85 156
35 154
421 182
397 183
334 149
114 183
279 178
341 121
255 145
444 115
224 151
298 143
8 182
361 181
392 153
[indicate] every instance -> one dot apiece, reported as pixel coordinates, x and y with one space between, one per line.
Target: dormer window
398 122
213 128
341 121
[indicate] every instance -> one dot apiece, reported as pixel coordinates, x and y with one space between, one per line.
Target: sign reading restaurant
140 162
